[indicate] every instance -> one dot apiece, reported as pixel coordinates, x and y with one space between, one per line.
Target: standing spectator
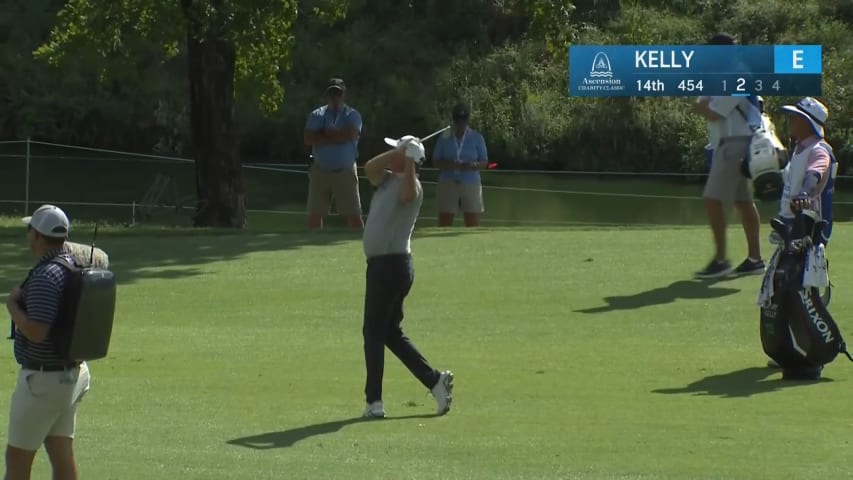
393 212
810 177
733 119
460 155
333 131
44 404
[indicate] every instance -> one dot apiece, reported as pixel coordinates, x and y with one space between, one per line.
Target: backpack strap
62 261
753 100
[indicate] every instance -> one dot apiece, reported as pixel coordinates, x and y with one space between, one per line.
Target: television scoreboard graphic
694 70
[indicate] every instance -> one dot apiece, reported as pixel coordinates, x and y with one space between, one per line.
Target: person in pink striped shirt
810 175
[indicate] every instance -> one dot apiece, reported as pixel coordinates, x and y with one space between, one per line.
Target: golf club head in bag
782 229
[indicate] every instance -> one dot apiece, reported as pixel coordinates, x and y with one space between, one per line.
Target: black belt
49 368
389 257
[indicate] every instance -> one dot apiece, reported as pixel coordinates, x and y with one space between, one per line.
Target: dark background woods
406 63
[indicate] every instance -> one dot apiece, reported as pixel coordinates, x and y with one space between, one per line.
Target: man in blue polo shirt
333 131
460 154
49 388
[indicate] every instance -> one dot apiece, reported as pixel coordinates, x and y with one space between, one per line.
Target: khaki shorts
725 180
323 185
44 404
453 196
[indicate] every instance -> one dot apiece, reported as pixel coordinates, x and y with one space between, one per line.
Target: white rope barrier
101 150
289 166
303 170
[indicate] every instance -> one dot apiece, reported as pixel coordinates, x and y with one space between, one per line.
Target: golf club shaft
435 133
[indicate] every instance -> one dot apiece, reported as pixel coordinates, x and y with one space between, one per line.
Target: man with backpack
732 121
49 388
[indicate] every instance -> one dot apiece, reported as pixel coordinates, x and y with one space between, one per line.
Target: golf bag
797 331
767 156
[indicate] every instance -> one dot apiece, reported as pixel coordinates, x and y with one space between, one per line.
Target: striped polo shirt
42 300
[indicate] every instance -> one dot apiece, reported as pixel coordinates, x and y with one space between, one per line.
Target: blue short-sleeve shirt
336 156
471 148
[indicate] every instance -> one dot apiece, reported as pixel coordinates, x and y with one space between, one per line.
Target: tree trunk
219 175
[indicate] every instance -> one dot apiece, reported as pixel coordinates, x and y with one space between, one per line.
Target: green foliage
835 36
258 29
632 27
117 73
550 20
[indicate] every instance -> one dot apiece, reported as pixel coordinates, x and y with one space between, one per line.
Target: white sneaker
374 410
443 392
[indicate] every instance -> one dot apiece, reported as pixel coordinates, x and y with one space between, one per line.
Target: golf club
393 142
438 132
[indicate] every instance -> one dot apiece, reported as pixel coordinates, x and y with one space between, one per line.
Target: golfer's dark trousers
389 279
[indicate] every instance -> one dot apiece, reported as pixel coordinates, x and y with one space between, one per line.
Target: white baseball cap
415 149
50 221
813 111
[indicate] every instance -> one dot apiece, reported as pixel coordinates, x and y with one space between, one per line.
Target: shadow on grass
168 254
740 384
682 289
286 438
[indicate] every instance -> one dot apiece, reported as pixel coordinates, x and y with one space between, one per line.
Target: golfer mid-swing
387 244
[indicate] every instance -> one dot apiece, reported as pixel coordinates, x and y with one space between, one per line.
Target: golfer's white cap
50 221
415 150
813 111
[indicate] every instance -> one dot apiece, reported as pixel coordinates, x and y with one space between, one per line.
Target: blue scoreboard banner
694 70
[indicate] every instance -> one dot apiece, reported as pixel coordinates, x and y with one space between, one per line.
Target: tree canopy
405 64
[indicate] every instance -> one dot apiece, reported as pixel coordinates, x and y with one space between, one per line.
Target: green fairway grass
579 353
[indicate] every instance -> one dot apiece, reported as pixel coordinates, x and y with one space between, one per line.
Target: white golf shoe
443 392
374 410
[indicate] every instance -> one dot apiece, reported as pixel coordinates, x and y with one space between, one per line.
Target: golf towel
766 293
815 274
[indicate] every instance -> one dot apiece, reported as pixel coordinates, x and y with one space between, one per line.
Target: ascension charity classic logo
600 77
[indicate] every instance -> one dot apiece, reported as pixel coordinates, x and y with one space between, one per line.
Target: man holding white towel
809 180
810 176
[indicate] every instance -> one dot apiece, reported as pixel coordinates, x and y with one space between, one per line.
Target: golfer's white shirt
713 129
732 123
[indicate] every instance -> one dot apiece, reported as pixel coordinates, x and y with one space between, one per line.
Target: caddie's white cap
50 221
415 149
813 111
